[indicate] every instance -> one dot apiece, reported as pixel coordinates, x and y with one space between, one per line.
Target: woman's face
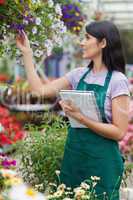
91 47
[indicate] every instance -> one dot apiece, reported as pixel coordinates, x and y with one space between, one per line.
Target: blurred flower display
10 130
15 189
6 162
126 145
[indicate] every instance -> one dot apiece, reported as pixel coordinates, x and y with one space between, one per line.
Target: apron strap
82 78
85 74
106 84
107 80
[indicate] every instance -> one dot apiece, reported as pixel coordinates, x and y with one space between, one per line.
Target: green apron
89 154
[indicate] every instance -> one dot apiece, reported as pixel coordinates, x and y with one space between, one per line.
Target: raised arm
49 89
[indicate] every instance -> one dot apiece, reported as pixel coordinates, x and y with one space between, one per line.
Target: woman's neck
98 66
99 69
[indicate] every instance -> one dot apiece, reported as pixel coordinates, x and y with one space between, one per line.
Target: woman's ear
103 43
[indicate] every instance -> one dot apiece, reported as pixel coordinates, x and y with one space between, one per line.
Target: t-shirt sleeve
74 76
71 77
120 87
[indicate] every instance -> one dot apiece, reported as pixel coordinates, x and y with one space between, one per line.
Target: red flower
4 112
2 2
18 136
12 129
4 139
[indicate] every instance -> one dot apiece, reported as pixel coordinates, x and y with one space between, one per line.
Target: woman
92 151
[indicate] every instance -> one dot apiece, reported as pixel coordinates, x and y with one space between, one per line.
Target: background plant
85 191
40 154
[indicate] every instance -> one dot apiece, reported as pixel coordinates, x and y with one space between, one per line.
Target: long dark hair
113 56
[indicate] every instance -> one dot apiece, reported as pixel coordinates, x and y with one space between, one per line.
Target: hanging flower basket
41 20
73 17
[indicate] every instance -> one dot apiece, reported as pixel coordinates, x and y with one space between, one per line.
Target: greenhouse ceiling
119 11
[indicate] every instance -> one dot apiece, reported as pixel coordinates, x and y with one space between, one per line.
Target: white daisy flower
63 29
35 1
50 16
34 30
25 22
59 41
24 193
38 21
38 53
48 43
85 186
50 3
58 9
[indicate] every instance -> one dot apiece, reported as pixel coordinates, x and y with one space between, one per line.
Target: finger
20 38
66 102
26 38
66 107
24 34
69 102
60 102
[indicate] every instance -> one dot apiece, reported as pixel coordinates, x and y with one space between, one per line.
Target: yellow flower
77 14
16 181
74 28
61 187
79 194
78 28
13 181
58 194
59 17
80 23
31 192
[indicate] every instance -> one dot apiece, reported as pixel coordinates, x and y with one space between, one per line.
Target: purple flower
29 18
72 16
17 27
77 9
13 162
5 163
70 6
2 154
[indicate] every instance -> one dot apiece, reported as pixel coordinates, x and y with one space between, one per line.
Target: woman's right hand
23 43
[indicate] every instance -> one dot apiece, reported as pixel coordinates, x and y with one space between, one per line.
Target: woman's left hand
70 109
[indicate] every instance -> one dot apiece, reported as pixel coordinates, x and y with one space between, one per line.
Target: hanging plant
72 17
39 19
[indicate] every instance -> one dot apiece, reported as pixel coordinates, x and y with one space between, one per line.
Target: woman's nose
82 43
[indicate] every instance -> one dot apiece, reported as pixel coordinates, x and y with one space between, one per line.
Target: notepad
86 101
